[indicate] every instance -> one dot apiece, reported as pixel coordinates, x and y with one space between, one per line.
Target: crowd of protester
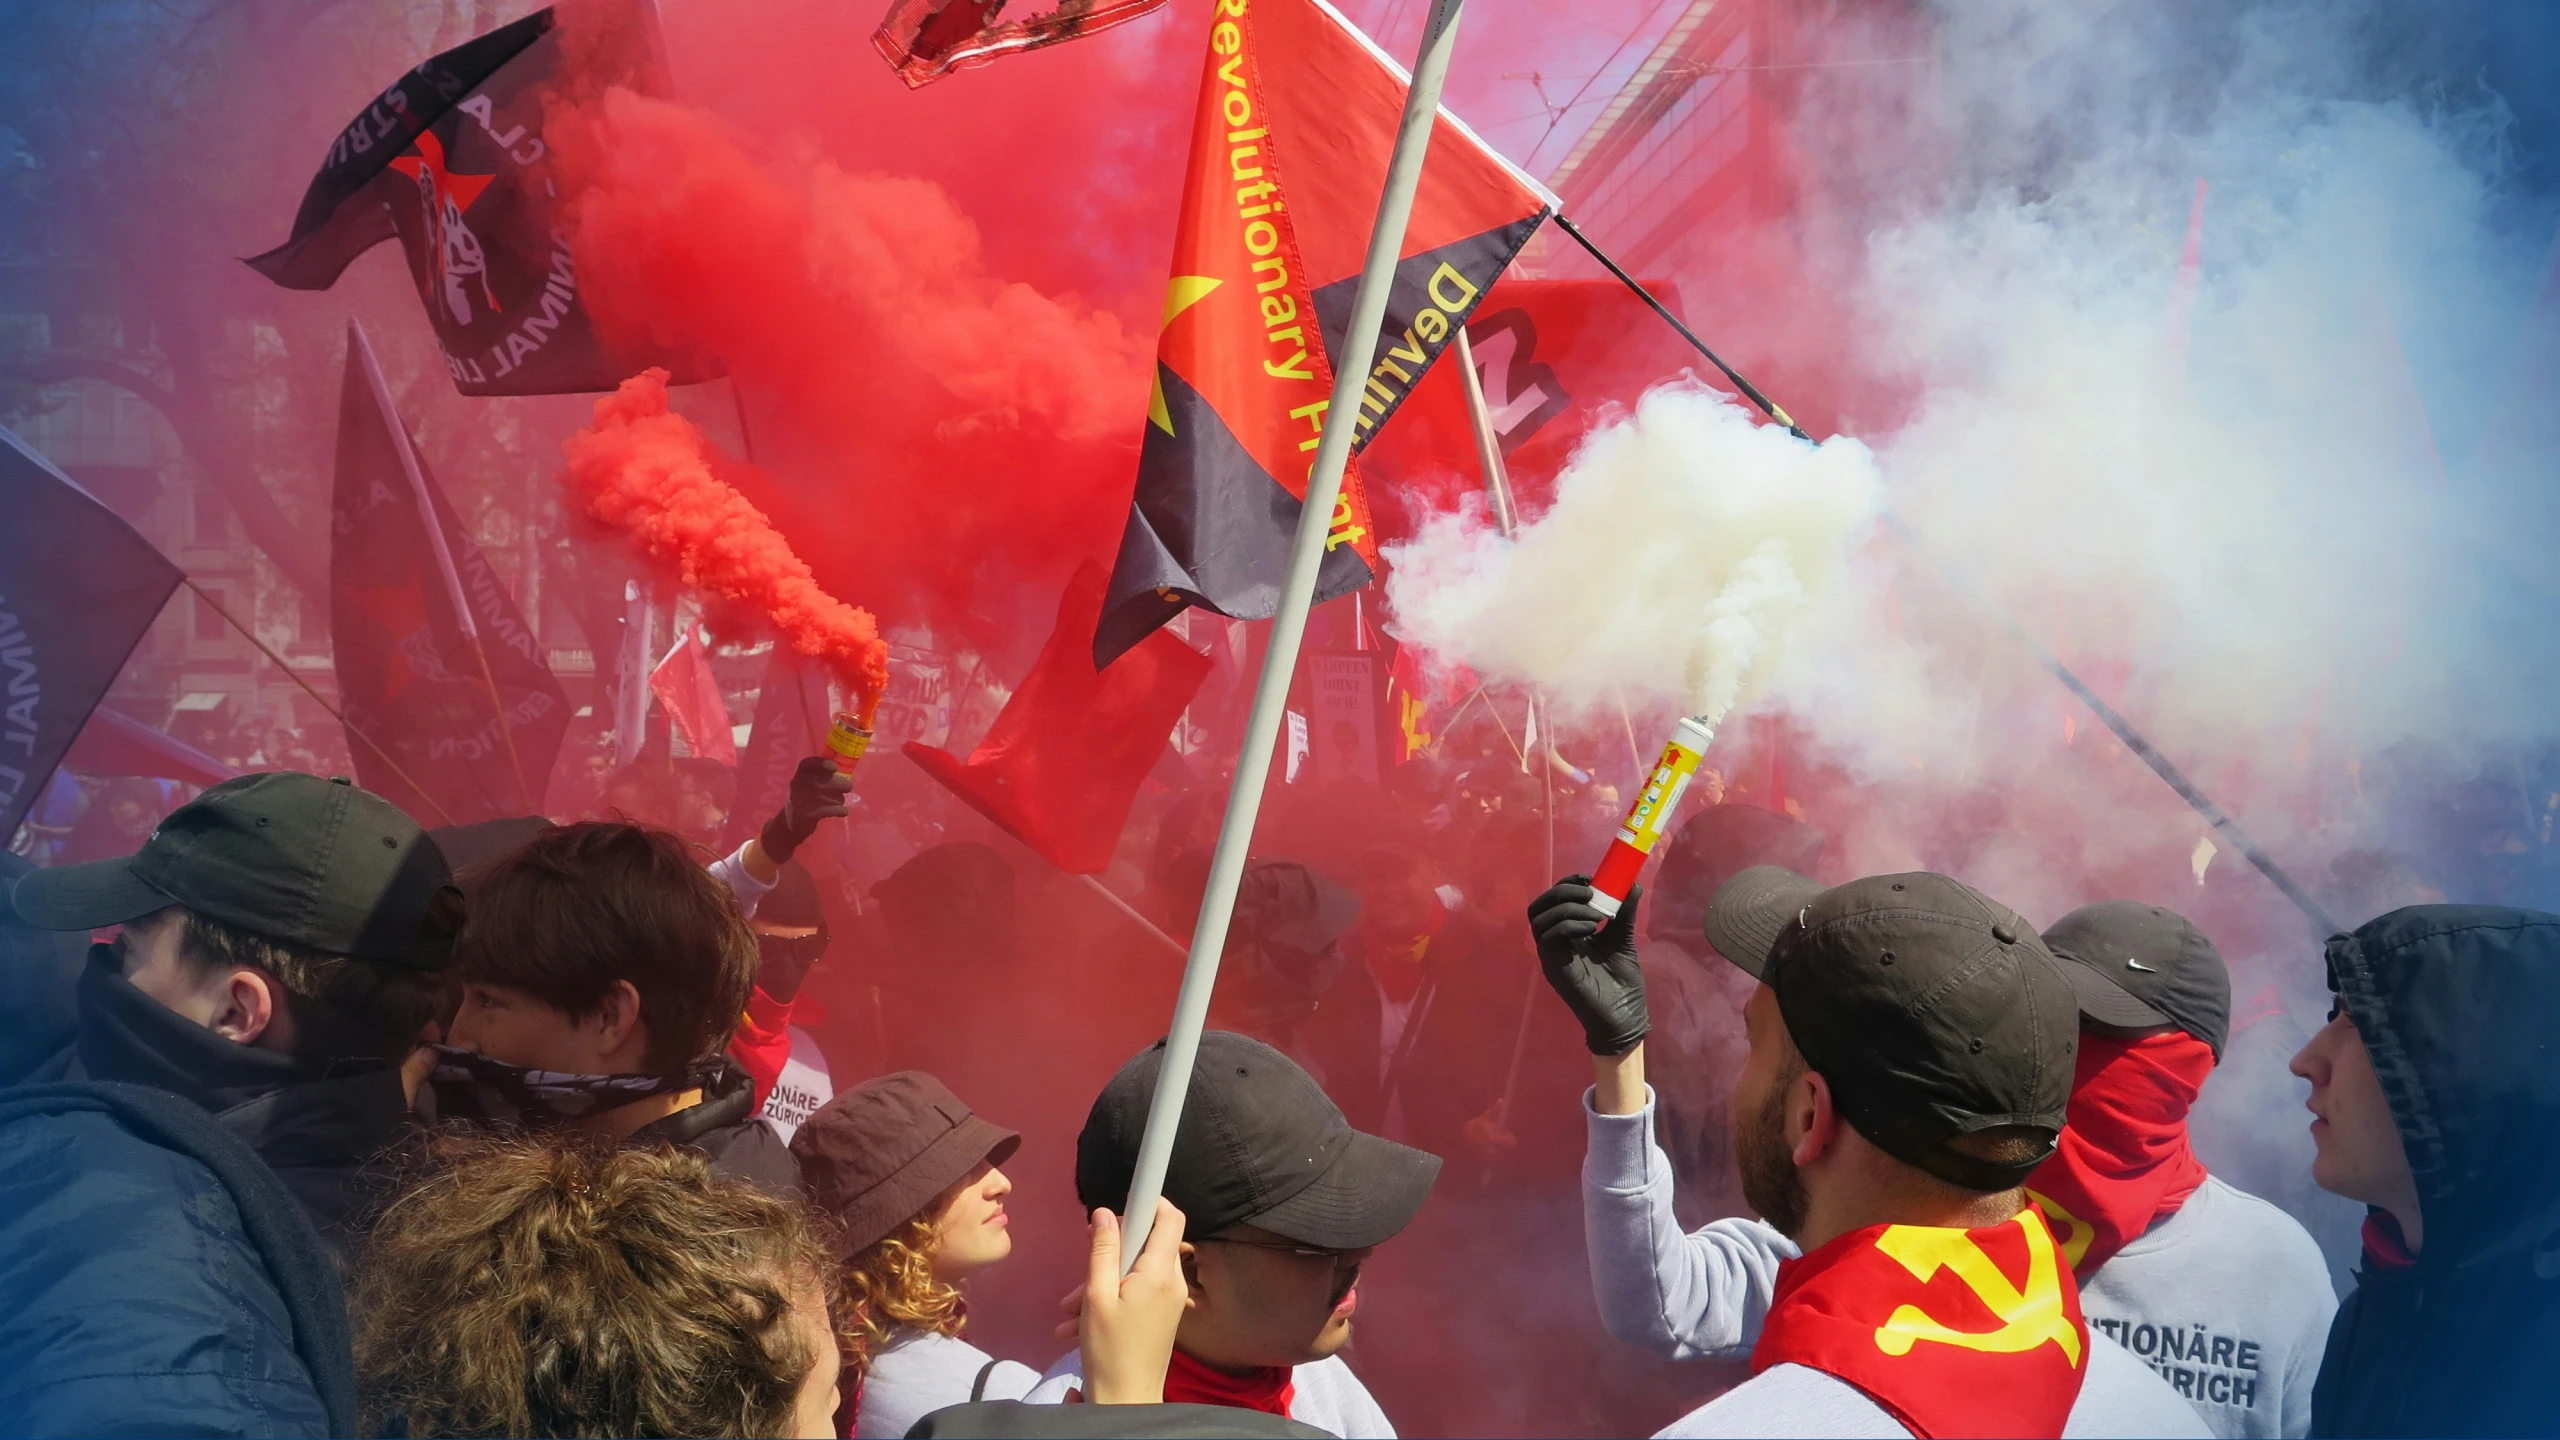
649 1118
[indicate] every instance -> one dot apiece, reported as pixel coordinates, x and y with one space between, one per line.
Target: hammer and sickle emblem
2076 1232
2029 1317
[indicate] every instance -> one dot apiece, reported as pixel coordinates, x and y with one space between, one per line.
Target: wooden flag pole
1288 625
334 712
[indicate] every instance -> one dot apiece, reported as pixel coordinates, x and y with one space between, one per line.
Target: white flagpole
1288 626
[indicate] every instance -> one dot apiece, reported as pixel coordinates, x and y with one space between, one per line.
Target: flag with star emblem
408 680
450 159
1289 148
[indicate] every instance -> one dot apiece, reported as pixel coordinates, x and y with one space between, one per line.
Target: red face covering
1270 1391
1954 1332
2124 1160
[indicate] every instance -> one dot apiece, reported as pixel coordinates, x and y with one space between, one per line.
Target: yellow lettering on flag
2029 1316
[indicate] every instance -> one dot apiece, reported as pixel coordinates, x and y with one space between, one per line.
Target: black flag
410 678
77 590
451 159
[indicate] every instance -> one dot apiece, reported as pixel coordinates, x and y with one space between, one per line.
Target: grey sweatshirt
1705 1294
919 1372
2229 1300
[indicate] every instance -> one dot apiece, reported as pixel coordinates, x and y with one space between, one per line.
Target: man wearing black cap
2223 1294
283 940
1284 1201
1910 1058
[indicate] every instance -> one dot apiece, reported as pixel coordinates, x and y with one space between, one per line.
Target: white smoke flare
1684 542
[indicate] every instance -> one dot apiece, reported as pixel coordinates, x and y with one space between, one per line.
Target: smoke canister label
846 740
1650 815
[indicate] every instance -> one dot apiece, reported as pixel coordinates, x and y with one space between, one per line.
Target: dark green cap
310 862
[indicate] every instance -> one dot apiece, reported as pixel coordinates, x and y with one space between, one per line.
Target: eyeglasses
1303 1252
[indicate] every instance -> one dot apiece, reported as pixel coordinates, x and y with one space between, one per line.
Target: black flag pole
2122 728
1750 391
2134 741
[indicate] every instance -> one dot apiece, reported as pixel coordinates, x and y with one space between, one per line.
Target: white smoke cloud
1683 545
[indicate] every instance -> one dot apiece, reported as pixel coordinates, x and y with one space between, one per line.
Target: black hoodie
317 1123
2459 1006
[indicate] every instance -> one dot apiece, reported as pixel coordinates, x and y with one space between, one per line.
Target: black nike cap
310 862
2136 966
1260 1144
1932 1010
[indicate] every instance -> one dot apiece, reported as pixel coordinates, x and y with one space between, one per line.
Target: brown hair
342 1007
890 1284
539 1288
576 908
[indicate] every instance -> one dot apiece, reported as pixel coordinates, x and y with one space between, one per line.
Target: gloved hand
1590 960
817 793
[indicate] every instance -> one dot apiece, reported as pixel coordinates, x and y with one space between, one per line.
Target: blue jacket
156 1278
2456 1005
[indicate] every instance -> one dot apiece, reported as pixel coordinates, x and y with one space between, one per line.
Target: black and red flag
451 160
410 679
78 588
1297 115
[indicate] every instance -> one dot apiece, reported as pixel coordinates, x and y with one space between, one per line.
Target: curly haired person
910 1176
537 1288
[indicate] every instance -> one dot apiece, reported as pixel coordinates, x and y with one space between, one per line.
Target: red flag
924 40
1289 147
114 743
690 694
1063 761
1552 355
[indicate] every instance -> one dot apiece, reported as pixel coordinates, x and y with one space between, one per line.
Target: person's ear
1191 1276
248 1007
1813 1125
618 1019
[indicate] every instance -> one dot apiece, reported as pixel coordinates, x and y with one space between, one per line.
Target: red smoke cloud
929 424
645 472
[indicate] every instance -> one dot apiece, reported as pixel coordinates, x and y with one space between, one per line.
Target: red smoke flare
650 474
979 427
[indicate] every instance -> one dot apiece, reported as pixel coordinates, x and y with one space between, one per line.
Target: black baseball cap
1259 1144
2136 966
1932 1010
310 862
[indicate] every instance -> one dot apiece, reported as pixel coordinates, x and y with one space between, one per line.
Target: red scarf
2384 1245
1953 1332
2124 1161
1271 1391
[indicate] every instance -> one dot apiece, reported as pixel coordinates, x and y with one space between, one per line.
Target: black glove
817 792
1590 959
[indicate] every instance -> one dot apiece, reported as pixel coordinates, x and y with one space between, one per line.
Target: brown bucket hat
881 1151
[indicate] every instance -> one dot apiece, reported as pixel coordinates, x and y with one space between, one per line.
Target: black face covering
126 1035
471 1086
